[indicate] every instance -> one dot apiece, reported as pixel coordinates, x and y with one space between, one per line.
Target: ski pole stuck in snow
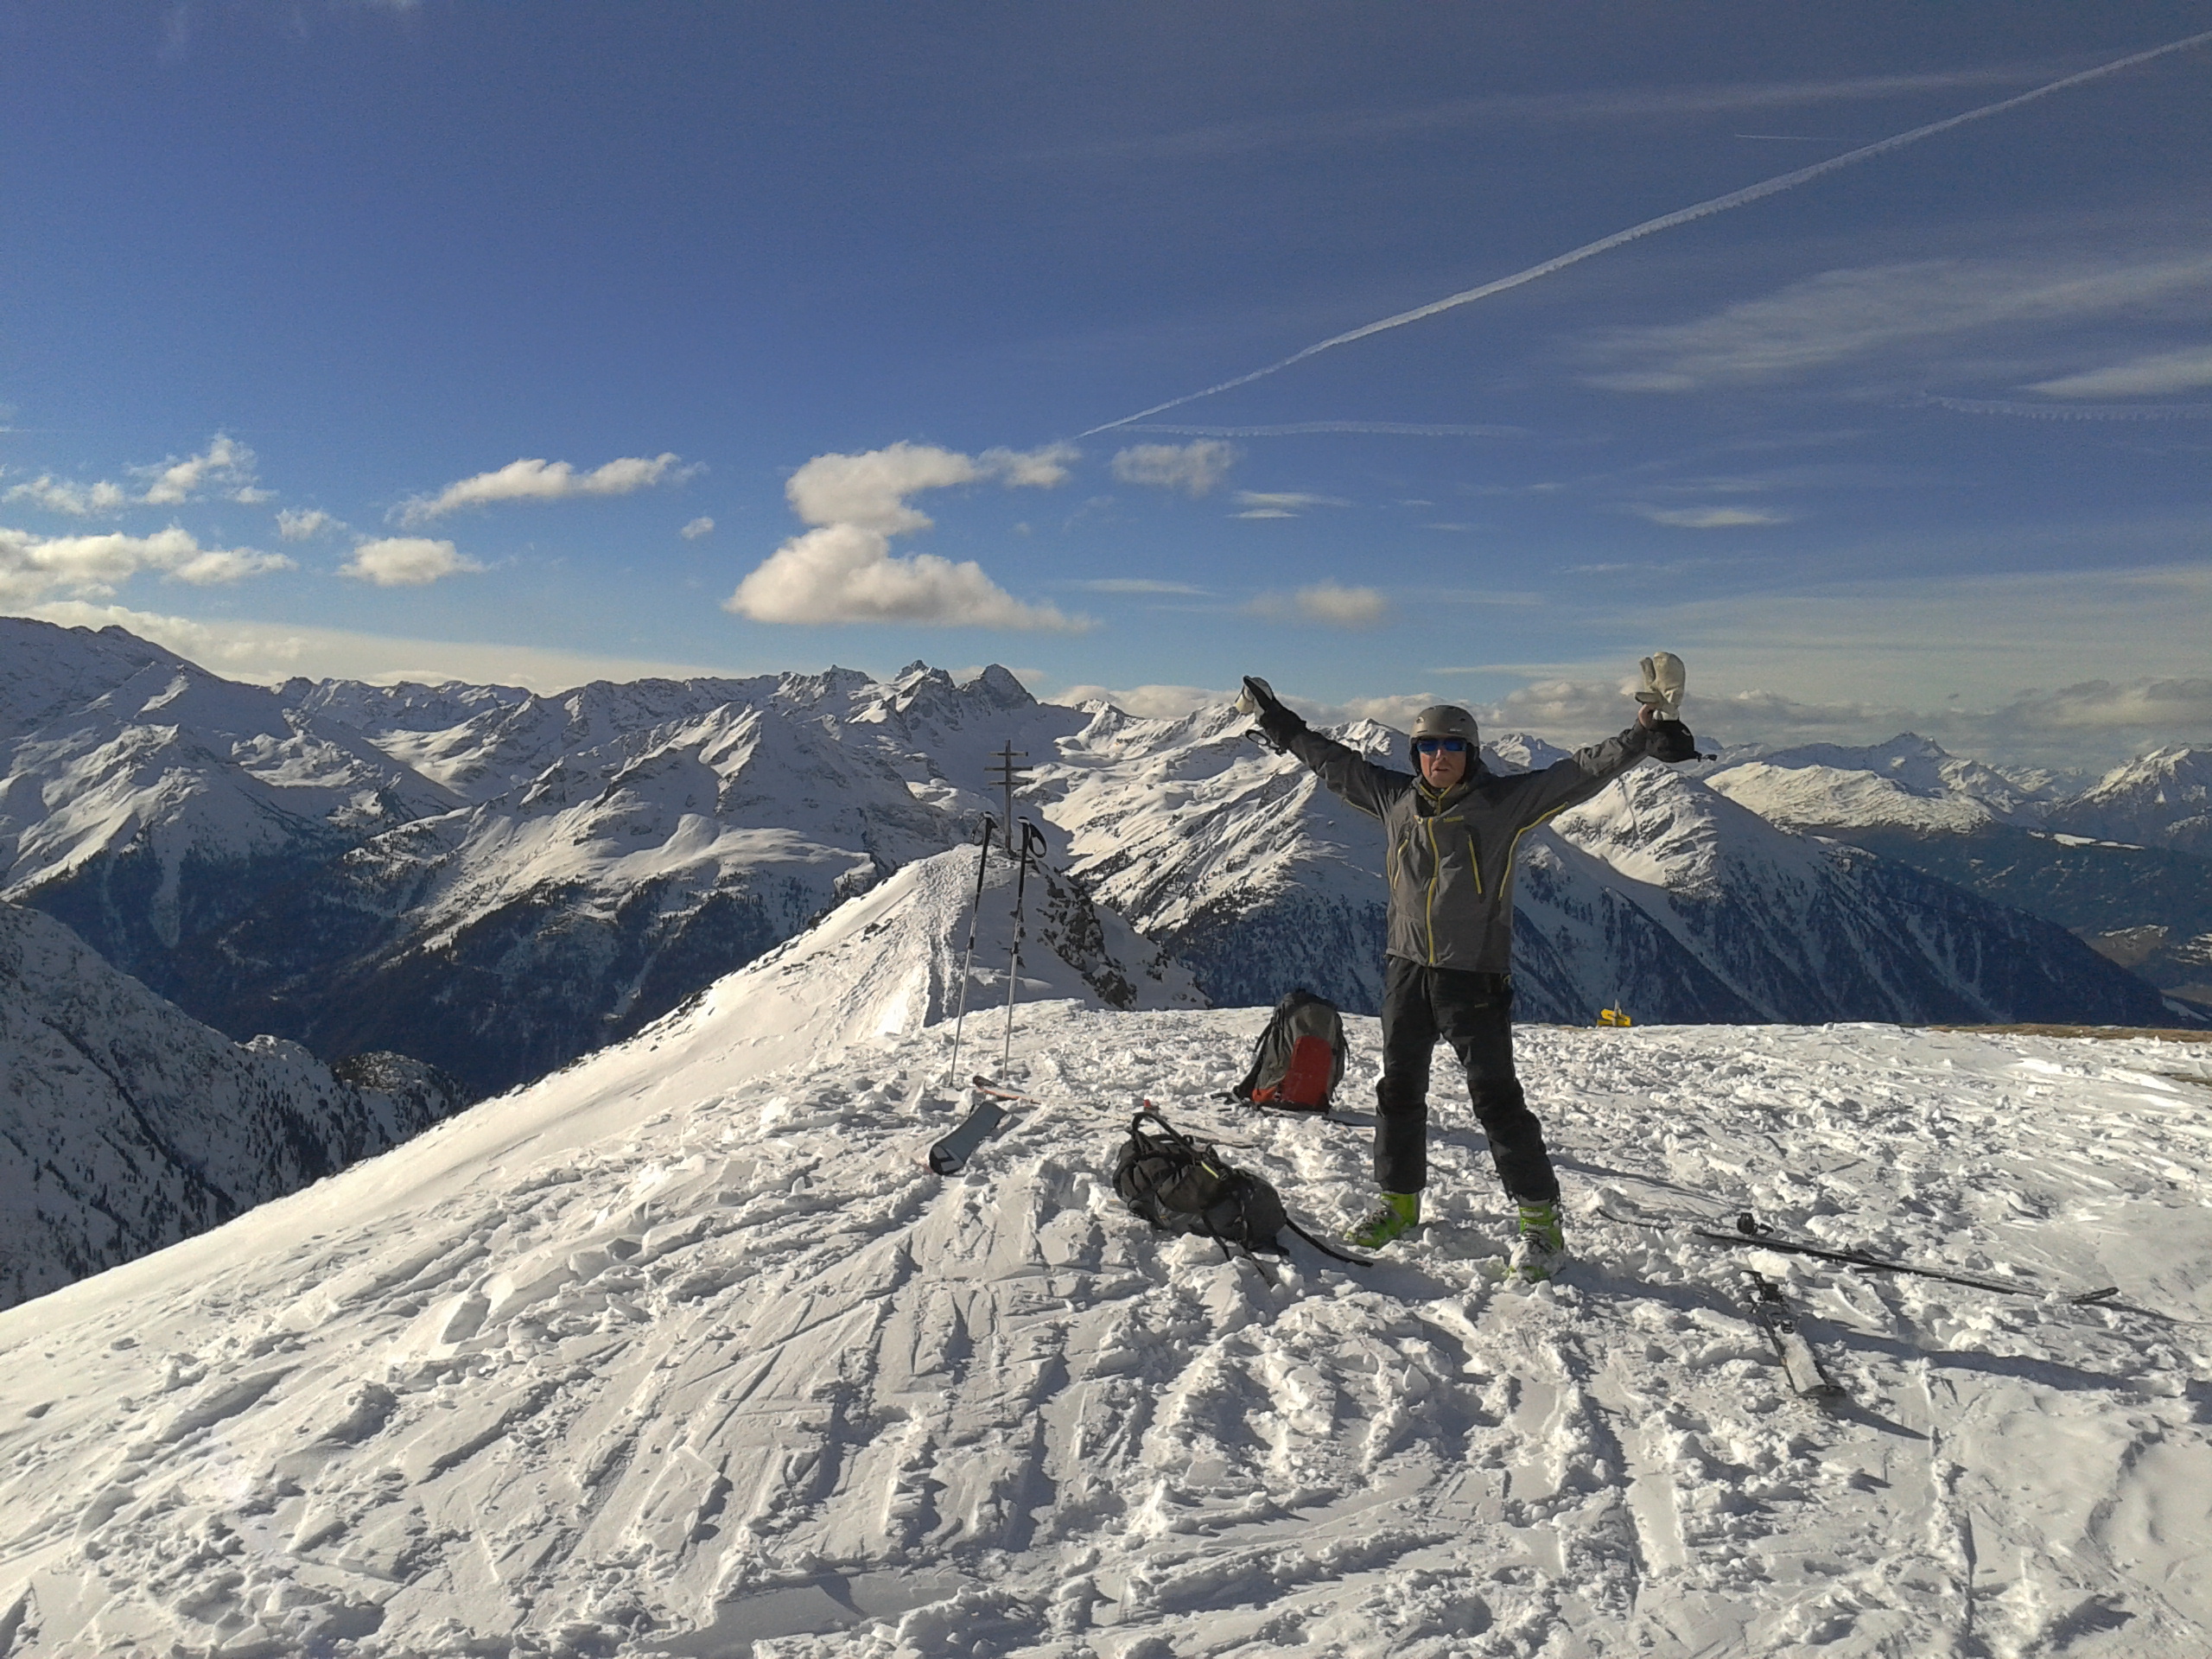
1033 840
967 961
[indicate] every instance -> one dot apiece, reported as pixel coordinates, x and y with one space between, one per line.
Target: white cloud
843 570
545 480
2094 722
870 489
225 461
847 573
1581 708
78 500
699 526
1282 503
269 653
1930 647
1396 708
1346 608
2144 377
304 525
2159 704
33 567
1711 518
1139 585
1842 315
1194 468
1045 468
1327 602
220 566
405 562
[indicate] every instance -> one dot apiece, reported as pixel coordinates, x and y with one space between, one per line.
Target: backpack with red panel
1299 1059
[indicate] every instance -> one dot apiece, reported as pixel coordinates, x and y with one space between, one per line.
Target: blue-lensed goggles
1431 745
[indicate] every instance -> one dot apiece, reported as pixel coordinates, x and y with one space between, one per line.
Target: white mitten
1664 679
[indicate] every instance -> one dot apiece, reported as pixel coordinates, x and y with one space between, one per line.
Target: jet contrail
2064 412
1299 428
1667 221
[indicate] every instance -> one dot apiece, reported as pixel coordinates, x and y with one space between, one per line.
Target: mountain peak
999 684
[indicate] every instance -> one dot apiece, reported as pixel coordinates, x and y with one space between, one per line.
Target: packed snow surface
670 1354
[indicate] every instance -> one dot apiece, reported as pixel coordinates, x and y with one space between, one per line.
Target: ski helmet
1447 720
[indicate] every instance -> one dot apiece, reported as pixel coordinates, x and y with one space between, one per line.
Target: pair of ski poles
1032 841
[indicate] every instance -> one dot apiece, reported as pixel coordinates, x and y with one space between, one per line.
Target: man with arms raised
1451 833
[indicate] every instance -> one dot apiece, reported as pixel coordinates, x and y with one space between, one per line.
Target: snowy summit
682 1350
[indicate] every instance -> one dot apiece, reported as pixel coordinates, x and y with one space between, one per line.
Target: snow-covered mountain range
493 880
1661 896
2126 862
1908 782
126 1125
2164 799
682 1351
497 882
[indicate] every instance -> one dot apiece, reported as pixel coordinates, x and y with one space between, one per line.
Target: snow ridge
671 1354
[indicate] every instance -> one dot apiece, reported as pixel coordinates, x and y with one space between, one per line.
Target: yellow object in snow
1612 1017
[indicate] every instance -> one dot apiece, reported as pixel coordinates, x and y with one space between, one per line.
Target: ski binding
1800 1363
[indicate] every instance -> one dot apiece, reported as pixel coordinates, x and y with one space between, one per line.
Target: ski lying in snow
1799 1362
1753 1234
949 1155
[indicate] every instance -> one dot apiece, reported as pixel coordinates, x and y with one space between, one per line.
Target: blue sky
535 344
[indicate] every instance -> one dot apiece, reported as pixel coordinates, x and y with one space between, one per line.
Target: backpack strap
1349 1261
1168 1132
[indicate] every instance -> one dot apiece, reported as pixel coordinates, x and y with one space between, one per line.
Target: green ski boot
1542 1246
1399 1212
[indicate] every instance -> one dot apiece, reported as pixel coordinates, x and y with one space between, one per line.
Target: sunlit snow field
662 1356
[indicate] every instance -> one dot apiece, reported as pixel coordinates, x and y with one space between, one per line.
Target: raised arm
1347 773
1575 780
1582 775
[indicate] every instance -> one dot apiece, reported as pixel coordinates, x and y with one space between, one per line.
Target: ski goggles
1431 745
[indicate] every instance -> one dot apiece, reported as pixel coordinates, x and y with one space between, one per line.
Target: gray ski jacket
1449 858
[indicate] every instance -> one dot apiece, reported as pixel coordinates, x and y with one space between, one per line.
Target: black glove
1669 741
1258 699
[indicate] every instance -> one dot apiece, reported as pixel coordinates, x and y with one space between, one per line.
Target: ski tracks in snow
747 1377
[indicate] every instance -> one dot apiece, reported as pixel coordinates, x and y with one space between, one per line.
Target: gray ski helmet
1447 720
